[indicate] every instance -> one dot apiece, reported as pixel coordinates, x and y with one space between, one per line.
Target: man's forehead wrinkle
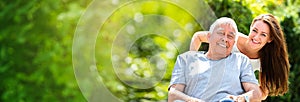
219 28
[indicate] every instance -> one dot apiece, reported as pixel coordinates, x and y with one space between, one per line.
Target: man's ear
208 36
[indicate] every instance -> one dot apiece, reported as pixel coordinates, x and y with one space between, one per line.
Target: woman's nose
256 36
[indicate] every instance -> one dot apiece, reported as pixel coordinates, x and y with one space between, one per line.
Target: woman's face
259 35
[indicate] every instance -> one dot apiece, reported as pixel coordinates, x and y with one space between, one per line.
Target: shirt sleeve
255 64
178 76
247 73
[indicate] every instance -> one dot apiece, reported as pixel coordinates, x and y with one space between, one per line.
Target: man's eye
230 37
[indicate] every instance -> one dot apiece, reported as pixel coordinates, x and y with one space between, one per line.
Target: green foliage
143 42
235 10
35 51
36 46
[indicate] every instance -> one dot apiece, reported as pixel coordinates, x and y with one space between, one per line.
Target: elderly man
217 74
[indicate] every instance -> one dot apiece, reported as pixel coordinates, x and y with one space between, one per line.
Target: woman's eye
254 30
264 35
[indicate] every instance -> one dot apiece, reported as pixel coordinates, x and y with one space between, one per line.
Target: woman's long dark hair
274 59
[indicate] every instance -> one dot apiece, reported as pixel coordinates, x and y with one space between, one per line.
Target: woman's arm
242 38
264 94
197 39
252 91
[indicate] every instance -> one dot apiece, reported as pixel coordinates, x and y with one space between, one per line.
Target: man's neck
215 56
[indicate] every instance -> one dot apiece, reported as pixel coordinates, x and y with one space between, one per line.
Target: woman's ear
270 40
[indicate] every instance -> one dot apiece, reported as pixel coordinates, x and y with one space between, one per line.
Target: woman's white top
254 62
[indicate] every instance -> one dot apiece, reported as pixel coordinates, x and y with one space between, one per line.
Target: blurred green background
36 40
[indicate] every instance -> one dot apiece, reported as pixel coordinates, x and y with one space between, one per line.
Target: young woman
266 48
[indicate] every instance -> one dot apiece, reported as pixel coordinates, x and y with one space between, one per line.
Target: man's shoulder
239 55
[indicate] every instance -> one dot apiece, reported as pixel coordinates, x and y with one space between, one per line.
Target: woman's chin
254 46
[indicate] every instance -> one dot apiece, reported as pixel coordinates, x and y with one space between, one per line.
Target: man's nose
225 39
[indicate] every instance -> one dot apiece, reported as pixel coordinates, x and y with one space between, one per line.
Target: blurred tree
35 53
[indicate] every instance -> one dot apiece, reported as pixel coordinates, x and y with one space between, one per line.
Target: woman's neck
243 47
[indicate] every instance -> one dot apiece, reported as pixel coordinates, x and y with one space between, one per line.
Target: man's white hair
223 20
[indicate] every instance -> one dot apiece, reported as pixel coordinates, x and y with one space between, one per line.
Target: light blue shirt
212 80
